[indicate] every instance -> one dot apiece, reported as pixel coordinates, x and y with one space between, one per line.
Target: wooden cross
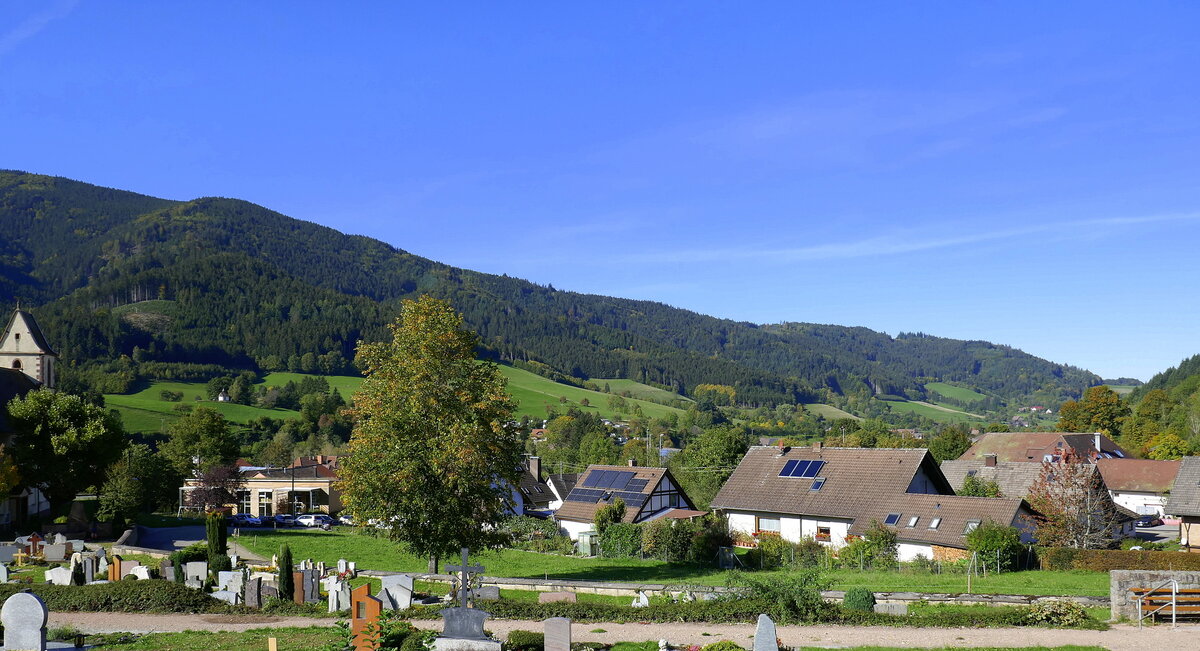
465 571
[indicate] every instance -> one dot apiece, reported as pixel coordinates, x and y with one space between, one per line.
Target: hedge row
121 596
1104 560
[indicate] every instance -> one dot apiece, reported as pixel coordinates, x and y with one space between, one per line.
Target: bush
669 540
621 540
1056 613
525 641
1106 560
723 645
609 514
795 596
121 596
996 543
286 580
859 598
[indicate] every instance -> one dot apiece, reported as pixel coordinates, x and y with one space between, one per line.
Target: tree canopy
431 453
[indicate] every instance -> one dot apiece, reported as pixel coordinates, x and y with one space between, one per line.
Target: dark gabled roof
1014 477
13 384
953 510
563 484
1138 475
1185 494
856 480
534 490
34 331
581 503
1033 446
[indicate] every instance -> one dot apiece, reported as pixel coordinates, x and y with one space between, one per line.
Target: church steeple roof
21 317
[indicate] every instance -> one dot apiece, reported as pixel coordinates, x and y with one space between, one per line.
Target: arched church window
17 364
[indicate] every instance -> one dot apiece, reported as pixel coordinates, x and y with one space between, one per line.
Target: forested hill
227 282
1179 381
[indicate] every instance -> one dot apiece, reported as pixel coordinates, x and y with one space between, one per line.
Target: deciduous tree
204 433
1100 410
431 450
1072 505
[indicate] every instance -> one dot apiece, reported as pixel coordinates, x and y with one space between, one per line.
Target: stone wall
1122 581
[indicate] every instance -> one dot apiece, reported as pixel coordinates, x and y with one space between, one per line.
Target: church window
17 364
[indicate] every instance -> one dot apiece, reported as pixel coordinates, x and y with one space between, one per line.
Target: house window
817 484
892 519
912 522
823 534
935 523
265 504
243 501
768 524
971 524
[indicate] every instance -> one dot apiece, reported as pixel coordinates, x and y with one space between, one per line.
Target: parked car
346 520
314 520
245 520
284 520
1150 521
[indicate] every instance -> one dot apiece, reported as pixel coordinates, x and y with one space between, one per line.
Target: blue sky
1016 172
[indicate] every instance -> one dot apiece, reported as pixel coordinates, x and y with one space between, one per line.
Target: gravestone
307 586
352 568
228 597
339 595
225 580
462 627
166 569
58 576
33 546
24 618
342 566
765 638
641 600
195 573
140 571
7 552
396 593
269 592
486 593
54 553
102 564
253 593
891 609
89 569
3 573
77 545
234 560
321 568
364 611
557 633
59 539
127 569
552 597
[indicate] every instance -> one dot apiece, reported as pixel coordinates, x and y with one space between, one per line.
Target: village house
649 494
1184 503
834 494
1036 447
1140 485
561 486
306 486
532 495
26 363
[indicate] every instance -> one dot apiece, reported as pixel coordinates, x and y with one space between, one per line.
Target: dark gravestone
253 596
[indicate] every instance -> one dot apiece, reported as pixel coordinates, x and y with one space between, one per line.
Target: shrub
859 598
723 645
609 514
1106 560
1056 613
526 641
713 535
121 596
621 540
286 581
996 543
795 596
669 540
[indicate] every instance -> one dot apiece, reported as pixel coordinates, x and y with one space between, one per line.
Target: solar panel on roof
814 468
788 468
636 485
593 477
622 480
801 468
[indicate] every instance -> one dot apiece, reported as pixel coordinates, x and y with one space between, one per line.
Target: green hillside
828 412
146 411
223 282
958 393
638 390
933 412
535 393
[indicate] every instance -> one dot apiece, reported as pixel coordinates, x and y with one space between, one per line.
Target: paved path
1121 638
173 538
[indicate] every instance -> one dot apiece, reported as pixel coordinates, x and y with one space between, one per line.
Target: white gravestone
396 593
641 600
3 573
558 634
228 597
339 594
54 553
765 638
60 539
141 572
58 576
24 618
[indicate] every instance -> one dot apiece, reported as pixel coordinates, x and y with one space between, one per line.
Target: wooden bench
1157 603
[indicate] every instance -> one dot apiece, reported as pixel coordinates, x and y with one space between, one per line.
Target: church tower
23 347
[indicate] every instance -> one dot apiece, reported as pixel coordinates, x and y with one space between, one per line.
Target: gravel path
1120 638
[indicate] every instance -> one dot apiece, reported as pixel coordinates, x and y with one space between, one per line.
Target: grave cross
465 571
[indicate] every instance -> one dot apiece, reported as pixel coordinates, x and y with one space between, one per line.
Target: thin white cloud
893 244
34 24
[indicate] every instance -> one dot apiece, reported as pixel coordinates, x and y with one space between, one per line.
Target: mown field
944 415
957 393
377 553
638 390
829 412
534 393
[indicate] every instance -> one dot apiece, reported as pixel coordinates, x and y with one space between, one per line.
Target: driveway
169 538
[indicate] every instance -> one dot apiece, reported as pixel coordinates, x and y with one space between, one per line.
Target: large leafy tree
1072 506
204 433
431 450
1100 410
138 482
62 443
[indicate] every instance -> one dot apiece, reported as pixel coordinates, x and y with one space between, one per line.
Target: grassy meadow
932 412
377 553
638 390
957 393
829 412
534 393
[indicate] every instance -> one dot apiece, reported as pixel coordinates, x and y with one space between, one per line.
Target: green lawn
534 393
374 553
957 393
638 390
289 639
829 412
146 411
345 384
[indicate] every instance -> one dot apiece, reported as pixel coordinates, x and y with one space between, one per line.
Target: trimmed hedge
121 596
1104 560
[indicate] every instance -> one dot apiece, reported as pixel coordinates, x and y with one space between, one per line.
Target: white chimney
1097 436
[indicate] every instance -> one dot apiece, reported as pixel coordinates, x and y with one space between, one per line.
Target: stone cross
35 545
465 572
24 618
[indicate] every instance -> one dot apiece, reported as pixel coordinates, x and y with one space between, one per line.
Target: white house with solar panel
649 494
